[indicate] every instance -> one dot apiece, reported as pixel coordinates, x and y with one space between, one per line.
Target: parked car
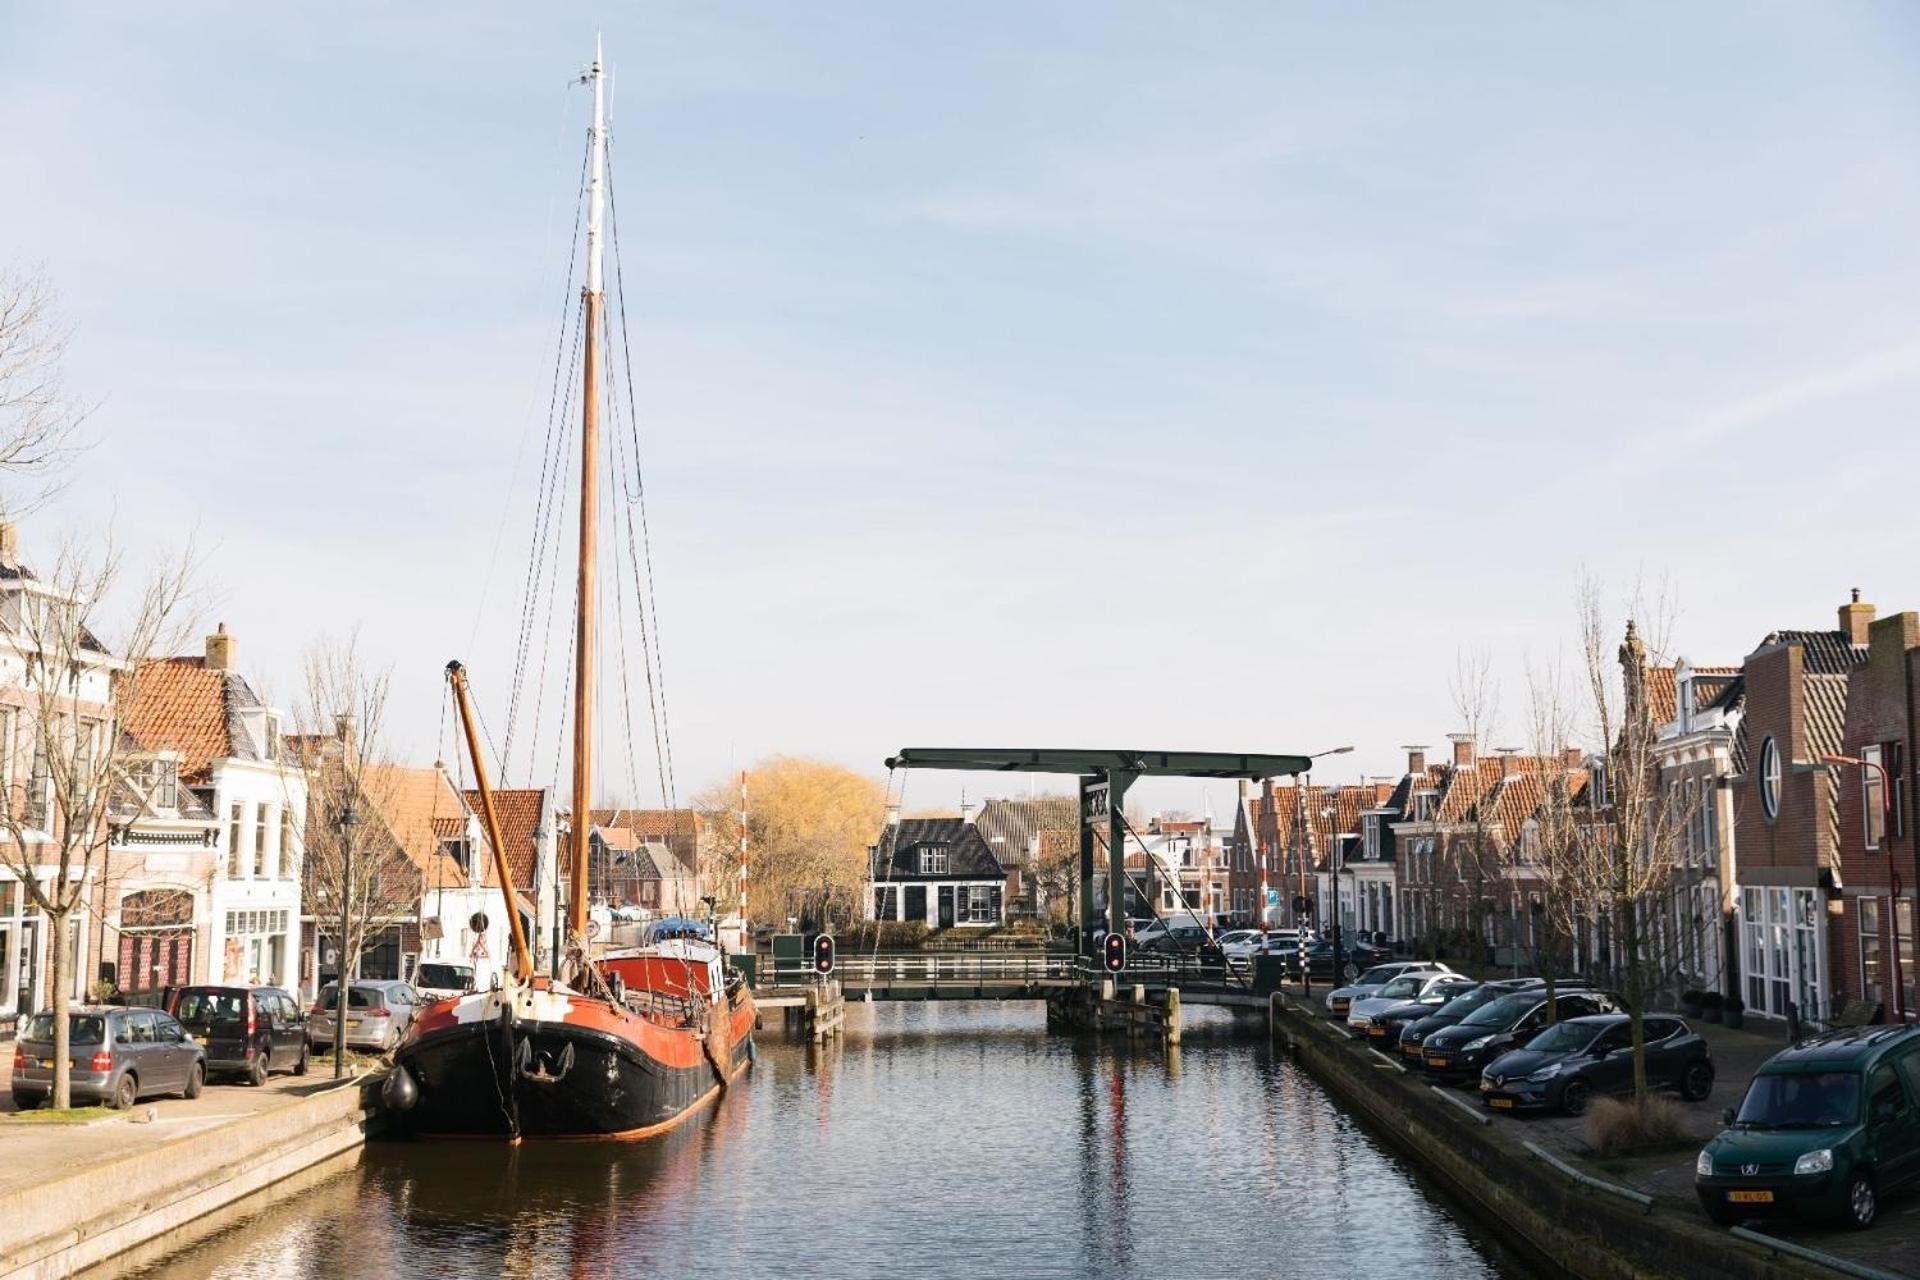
1186 940
1285 942
437 981
1387 1026
247 1031
1499 1025
1413 1034
1827 1127
1240 943
1564 1066
1148 935
1414 985
116 1056
1355 959
1340 999
378 1014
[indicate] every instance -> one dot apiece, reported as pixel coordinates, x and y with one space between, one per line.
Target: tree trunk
1633 991
58 980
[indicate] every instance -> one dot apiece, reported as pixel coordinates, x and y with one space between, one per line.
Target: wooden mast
589 523
502 866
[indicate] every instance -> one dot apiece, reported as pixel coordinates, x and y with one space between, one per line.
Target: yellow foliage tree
809 825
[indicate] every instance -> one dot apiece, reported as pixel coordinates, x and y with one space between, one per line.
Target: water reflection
942 1140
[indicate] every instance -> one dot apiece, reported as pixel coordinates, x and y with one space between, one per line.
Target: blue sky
1118 374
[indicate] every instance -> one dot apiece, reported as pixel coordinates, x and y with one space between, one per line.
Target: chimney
1462 750
1573 757
220 650
1246 789
1416 759
1855 618
1506 759
344 728
9 544
893 814
966 808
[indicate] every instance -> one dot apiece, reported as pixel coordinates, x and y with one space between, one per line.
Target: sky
1116 375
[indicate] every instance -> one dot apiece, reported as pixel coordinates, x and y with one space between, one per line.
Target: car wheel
1862 1205
257 1069
300 1067
126 1093
25 1101
1575 1096
1696 1082
195 1079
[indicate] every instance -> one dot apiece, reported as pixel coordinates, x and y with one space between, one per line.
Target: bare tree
1472 853
39 419
61 684
355 876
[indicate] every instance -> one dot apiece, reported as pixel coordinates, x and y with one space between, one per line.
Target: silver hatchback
378 1014
117 1056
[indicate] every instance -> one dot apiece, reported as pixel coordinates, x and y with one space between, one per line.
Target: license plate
1412 1051
1378 1033
1750 1197
1436 1062
46 1064
1500 1102
353 1022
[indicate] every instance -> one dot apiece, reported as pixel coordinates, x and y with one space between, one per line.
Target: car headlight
1359 1020
1815 1161
1703 1165
1481 1043
1544 1073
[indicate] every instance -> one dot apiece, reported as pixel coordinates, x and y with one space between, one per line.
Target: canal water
935 1140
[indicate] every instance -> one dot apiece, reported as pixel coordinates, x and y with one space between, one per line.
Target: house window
260 813
1423 806
459 851
1870 958
1770 778
886 902
979 904
1873 797
1896 758
933 860
236 858
166 784
272 735
1373 837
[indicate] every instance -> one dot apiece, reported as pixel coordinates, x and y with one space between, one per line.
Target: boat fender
400 1092
618 985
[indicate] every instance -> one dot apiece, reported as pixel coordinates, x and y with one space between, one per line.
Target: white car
1152 931
1412 985
1340 999
1240 943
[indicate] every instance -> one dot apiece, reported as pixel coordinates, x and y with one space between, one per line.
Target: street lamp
349 819
1304 843
1898 1002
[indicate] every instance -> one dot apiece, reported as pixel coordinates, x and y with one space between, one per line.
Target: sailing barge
623 1047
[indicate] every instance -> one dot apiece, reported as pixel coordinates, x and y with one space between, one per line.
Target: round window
1770 777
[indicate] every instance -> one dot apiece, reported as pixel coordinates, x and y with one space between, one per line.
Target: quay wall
1577 1231
155 1199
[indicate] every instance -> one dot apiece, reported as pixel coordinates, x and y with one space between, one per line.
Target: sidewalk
30 1152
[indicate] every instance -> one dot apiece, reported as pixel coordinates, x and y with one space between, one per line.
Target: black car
1186 940
1564 1066
1497 1026
1354 957
1413 1034
1385 1030
247 1031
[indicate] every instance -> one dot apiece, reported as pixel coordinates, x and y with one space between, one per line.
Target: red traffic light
1113 952
823 954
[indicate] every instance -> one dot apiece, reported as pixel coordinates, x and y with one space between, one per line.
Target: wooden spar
589 532
502 869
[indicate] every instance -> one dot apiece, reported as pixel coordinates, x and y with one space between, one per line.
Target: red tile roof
420 806
678 829
179 704
518 811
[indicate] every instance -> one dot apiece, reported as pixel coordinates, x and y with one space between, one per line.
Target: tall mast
589 516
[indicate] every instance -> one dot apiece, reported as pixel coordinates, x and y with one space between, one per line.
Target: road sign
593 928
333 955
1273 897
1096 803
479 951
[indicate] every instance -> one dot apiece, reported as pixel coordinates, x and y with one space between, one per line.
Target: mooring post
1173 1015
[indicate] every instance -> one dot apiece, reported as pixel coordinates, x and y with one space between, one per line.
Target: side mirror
1726 1116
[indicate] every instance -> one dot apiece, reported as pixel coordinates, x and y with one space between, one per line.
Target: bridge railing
1012 969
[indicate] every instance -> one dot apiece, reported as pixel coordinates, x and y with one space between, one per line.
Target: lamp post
1899 1003
348 820
1304 843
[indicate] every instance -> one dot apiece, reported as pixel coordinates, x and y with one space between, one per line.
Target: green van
1828 1127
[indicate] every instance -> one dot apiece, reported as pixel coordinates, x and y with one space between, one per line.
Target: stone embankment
61 1216
1547 1208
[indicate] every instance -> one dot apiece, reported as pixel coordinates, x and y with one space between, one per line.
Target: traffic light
1302 904
823 954
1113 952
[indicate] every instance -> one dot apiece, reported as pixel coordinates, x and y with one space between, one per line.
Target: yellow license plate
1378 1033
46 1064
353 1022
1500 1102
1436 1062
1750 1197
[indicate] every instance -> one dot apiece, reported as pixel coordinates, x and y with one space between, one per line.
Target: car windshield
1501 1012
1791 1101
1374 977
82 1028
1400 989
1563 1037
197 1008
456 976
357 997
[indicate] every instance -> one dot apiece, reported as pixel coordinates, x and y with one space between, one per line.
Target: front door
946 906
916 909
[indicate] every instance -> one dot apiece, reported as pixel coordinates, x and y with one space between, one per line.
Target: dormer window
163 784
1372 847
458 850
271 737
1423 806
933 859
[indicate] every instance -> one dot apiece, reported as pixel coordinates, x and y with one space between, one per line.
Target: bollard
1137 1011
1173 1015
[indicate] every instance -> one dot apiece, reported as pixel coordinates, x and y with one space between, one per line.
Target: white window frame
1770 778
1873 797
